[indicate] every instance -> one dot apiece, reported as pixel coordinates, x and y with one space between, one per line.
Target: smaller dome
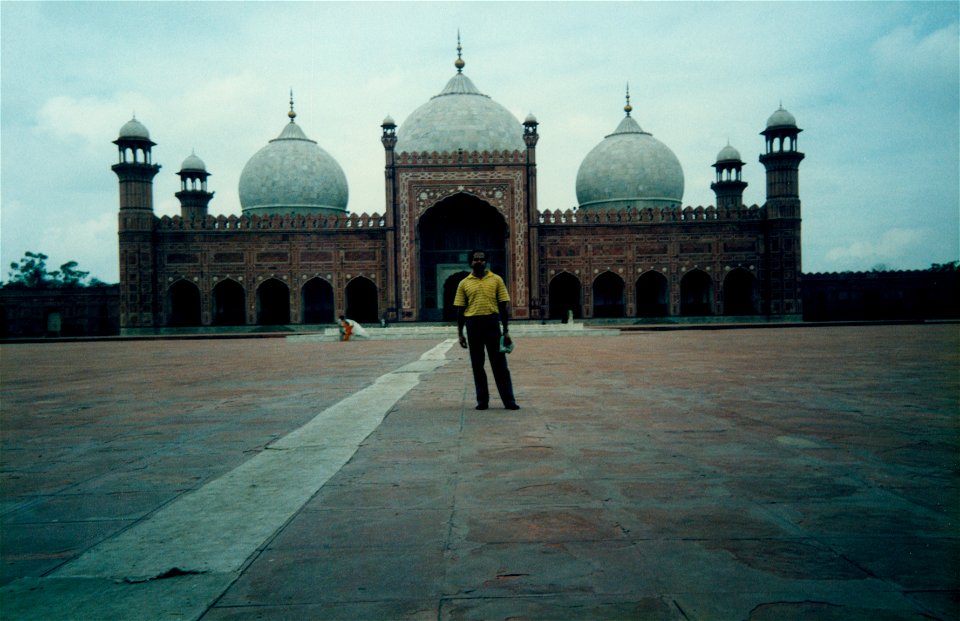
530 120
134 129
193 163
781 118
728 154
292 174
388 122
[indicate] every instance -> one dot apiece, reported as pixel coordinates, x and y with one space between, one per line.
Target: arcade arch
608 296
273 303
566 295
696 293
653 299
316 301
229 304
739 293
183 304
362 304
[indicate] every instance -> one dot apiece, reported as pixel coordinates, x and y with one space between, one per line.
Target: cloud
918 61
89 118
890 249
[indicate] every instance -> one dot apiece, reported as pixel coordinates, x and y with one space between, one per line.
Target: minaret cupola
135 167
193 195
729 185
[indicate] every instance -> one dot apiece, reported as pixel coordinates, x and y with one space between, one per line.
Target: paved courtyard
761 474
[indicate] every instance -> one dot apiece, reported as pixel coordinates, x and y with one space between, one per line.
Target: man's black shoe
482 406
512 406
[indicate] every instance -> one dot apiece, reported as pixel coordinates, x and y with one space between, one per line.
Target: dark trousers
483 332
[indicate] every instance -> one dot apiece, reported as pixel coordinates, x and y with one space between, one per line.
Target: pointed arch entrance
183 304
317 301
608 295
447 233
696 294
273 303
228 304
738 293
362 300
652 295
565 295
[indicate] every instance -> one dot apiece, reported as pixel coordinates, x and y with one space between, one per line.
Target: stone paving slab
797 473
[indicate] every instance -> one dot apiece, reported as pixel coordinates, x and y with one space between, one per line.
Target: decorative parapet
651 215
287 222
460 158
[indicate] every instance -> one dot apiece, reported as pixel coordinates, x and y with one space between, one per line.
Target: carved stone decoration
501 188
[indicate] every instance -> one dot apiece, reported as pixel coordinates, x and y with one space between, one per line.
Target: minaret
139 298
193 194
782 161
729 185
782 257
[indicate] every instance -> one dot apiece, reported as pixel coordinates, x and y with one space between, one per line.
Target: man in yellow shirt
482 305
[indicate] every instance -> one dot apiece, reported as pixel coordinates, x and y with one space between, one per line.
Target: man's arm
461 320
505 320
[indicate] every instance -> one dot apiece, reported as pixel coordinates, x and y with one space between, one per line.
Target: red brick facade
201 270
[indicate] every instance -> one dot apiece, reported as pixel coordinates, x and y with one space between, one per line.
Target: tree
31 273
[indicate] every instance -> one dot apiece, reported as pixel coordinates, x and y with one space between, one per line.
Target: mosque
460 173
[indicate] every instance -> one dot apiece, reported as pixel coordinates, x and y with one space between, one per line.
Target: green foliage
31 273
953 266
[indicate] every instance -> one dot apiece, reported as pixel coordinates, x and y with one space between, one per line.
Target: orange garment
347 330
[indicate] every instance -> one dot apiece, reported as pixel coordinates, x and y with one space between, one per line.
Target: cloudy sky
874 86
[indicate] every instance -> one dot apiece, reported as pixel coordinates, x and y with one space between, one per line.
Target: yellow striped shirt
481 295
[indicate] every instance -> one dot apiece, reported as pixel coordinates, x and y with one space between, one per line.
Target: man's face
478 261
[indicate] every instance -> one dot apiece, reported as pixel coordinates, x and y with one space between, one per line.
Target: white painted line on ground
218 526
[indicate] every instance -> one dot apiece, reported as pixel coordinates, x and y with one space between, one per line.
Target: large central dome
292 174
460 117
630 169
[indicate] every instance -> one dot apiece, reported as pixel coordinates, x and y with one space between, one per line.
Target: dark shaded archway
362 305
447 233
183 304
273 303
229 304
739 293
653 299
316 299
449 293
608 296
696 294
565 295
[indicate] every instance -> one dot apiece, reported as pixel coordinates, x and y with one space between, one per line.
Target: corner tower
782 161
782 260
136 170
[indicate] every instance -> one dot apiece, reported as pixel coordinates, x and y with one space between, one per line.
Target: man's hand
463 341
507 340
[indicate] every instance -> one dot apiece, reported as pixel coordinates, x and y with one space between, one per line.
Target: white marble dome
193 163
460 117
728 154
134 129
292 174
781 118
629 169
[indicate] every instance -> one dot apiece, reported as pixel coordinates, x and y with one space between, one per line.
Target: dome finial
459 64
628 108
291 114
